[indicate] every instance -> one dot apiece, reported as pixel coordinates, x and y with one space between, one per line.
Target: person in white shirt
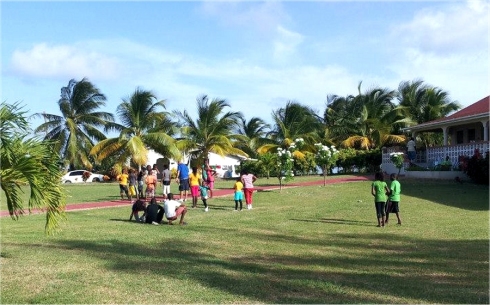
411 150
174 209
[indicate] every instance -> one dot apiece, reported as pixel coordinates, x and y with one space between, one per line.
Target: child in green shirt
379 189
394 200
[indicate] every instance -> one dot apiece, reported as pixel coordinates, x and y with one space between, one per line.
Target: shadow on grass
466 196
338 221
365 268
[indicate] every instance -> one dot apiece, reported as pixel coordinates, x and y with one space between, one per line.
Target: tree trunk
325 176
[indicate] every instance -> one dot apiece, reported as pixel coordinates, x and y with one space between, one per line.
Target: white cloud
285 44
264 16
447 48
459 28
62 61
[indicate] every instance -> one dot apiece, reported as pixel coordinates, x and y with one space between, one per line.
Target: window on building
471 135
459 137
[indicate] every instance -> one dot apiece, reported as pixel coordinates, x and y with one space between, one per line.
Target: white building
225 167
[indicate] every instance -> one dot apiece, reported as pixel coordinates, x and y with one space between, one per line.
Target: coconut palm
212 131
375 116
31 162
143 127
252 135
77 128
421 103
292 122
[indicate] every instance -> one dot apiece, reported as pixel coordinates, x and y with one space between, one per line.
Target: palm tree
143 126
252 135
375 118
76 129
31 162
290 123
212 131
421 103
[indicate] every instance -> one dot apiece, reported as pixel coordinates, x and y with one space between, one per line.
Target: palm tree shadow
336 221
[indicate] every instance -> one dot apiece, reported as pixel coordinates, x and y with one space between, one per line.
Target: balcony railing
434 155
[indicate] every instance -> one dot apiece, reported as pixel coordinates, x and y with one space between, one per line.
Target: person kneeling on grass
138 206
174 209
154 212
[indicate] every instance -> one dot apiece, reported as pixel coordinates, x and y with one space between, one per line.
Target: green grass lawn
299 245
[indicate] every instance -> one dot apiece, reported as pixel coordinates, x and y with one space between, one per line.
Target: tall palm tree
290 123
423 103
252 135
28 161
76 129
143 127
375 116
212 131
420 103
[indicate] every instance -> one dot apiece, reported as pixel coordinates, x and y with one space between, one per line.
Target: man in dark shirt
154 212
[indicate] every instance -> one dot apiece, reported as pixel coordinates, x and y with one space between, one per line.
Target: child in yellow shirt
238 187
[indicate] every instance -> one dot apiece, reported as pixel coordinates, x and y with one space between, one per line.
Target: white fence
434 155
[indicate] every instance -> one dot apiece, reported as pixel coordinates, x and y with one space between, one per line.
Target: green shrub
476 167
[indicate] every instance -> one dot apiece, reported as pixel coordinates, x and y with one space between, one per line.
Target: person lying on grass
174 209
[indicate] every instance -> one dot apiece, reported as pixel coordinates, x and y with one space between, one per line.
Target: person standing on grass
210 174
141 184
394 199
174 209
204 189
183 179
166 175
238 195
248 180
151 183
123 183
379 189
133 181
194 183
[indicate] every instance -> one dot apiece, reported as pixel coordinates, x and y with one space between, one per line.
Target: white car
77 177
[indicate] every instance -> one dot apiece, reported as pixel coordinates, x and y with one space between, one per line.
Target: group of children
132 184
386 199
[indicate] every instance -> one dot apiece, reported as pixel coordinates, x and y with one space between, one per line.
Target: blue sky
255 54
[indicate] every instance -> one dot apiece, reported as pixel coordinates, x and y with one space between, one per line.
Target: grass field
299 245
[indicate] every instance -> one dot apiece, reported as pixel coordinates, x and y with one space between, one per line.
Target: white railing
434 155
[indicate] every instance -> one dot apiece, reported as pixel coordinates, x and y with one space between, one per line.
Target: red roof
480 107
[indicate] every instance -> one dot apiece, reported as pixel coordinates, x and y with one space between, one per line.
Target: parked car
77 177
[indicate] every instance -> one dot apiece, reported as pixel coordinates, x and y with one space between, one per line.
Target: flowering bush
326 157
285 161
397 159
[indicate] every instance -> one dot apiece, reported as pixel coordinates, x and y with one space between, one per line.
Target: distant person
238 194
204 189
123 183
151 183
166 177
411 150
379 189
155 171
154 212
194 183
210 177
174 209
183 179
133 184
394 199
141 184
248 180
138 206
